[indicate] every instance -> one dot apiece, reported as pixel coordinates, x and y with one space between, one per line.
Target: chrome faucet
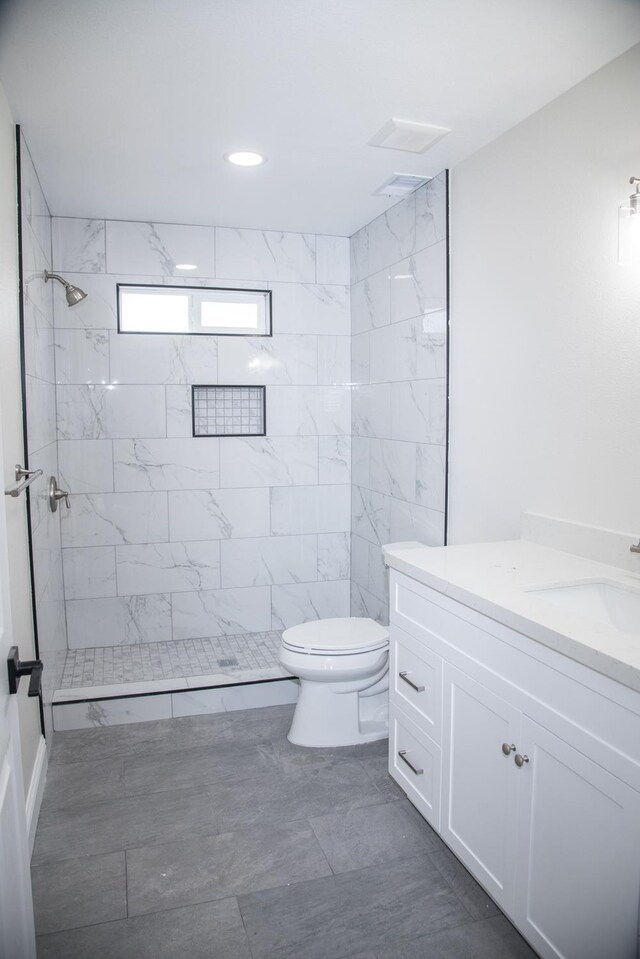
636 548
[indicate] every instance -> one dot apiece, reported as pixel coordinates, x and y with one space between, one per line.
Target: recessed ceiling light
186 266
245 158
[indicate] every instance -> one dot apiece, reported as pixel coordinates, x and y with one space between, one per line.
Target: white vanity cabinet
527 764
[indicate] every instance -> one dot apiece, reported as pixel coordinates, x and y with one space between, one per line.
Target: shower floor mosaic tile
148 662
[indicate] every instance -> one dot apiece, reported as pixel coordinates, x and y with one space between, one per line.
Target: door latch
16 669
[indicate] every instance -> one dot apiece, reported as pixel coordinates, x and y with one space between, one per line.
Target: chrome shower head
73 293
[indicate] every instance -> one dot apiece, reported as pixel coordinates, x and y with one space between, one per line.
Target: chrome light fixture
629 227
73 293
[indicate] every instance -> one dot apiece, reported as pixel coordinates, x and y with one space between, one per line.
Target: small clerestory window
212 311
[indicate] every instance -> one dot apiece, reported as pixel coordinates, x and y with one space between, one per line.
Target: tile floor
108 665
213 836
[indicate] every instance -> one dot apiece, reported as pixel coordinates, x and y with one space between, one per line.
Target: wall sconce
629 227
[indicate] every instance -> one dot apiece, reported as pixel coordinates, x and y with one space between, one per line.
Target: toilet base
327 716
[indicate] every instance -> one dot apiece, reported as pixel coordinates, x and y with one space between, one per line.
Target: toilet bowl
343 668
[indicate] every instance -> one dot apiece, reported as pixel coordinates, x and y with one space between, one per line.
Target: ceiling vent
408 136
401 184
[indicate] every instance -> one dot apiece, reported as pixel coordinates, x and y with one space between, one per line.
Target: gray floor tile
475 899
161 737
378 772
79 892
292 756
350 912
123 823
221 762
487 939
210 931
177 874
293 794
373 835
85 782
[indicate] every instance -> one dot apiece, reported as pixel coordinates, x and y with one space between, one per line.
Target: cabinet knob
520 760
508 749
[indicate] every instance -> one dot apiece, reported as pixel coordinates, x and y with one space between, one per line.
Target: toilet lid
347 634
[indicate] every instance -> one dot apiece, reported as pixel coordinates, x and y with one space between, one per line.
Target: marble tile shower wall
398 371
37 303
171 537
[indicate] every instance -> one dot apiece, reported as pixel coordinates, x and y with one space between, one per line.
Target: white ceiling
128 105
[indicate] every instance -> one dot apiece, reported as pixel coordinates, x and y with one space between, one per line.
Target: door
578 848
17 937
479 781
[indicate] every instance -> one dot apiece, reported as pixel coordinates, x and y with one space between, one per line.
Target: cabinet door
480 782
578 853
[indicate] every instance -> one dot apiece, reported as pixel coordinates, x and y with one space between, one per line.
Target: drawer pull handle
402 753
403 675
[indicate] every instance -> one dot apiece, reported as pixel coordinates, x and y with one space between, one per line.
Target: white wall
545 326
11 419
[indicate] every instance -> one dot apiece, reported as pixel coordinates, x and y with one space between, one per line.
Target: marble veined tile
302 602
218 514
371 410
168 567
286 358
309 509
392 468
371 515
221 612
334 459
268 461
407 351
147 358
86 466
370 303
112 712
122 620
78 245
359 254
267 255
262 562
142 247
418 411
334 360
159 464
334 556
431 211
332 259
89 572
179 418
308 410
82 356
311 308
431 476
41 403
115 518
110 412
360 347
392 236
418 285
411 522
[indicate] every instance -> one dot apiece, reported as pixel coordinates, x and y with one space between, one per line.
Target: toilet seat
342 636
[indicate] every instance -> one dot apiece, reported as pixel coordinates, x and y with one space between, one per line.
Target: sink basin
600 601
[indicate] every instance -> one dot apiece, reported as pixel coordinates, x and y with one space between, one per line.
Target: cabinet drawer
416 682
415 764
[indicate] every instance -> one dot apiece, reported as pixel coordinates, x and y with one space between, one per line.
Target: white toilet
343 667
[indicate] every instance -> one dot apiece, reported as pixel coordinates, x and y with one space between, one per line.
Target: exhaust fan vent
408 135
401 184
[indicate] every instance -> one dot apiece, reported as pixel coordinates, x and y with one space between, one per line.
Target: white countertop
493 578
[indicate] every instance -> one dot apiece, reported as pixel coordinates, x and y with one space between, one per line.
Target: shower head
73 293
